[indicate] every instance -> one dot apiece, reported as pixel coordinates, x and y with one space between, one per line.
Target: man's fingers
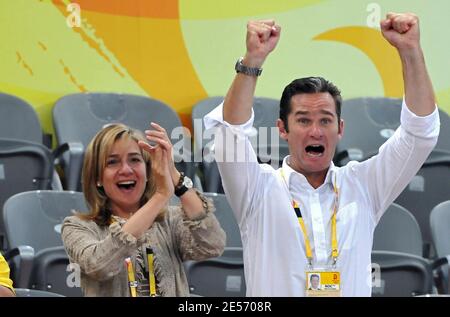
263 30
276 29
259 22
391 15
269 22
386 24
399 22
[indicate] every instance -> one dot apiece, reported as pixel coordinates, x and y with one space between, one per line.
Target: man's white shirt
273 243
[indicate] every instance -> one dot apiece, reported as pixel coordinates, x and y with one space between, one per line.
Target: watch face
187 182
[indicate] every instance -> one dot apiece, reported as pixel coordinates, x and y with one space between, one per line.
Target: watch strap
250 71
180 189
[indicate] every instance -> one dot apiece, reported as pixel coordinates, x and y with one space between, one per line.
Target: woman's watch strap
184 184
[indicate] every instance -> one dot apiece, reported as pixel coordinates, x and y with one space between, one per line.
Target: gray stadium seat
24 166
224 215
389 237
440 230
226 218
26 292
221 276
429 187
78 117
25 163
33 222
400 275
397 249
369 122
218 277
18 120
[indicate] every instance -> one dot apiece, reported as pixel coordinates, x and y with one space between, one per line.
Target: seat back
78 117
440 228
218 277
34 218
440 231
429 187
226 218
18 120
24 166
400 275
398 231
369 122
26 292
52 272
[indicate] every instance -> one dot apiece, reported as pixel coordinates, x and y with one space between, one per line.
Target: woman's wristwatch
183 185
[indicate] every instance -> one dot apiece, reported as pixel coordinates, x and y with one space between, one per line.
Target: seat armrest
23 265
70 156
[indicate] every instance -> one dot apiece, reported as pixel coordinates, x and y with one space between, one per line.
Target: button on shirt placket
318 229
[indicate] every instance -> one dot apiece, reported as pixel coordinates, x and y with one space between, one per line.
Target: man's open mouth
315 150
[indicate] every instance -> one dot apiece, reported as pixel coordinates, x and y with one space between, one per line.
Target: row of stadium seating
26 164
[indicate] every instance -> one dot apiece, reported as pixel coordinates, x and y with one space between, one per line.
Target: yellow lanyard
150 268
131 278
334 243
151 272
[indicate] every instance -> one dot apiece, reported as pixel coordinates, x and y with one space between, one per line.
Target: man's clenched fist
262 38
401 30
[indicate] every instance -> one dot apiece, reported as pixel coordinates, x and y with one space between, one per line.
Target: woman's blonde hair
94 164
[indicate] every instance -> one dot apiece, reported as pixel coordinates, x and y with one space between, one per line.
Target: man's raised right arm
262 38
235 156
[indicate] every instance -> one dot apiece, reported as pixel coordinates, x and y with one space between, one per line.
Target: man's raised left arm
402 31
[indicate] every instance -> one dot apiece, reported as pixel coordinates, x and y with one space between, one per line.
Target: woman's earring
99 185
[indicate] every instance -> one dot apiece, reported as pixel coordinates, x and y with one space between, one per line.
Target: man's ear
341 129
282 129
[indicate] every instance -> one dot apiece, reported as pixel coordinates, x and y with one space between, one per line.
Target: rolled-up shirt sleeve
398 160
422 127
215 119
237 161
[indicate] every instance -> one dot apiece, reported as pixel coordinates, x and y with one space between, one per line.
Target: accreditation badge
323 283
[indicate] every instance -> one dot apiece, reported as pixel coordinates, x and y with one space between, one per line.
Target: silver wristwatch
184 184
250 71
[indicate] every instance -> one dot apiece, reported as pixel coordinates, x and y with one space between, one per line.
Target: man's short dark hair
308 85
314 275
